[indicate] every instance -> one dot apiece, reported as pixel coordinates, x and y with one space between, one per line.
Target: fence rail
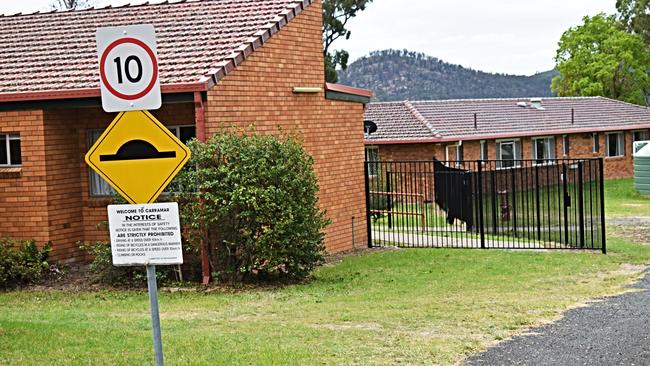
531 204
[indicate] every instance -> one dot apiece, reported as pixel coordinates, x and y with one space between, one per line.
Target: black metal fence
530 204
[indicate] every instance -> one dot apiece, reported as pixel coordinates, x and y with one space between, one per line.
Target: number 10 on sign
128 68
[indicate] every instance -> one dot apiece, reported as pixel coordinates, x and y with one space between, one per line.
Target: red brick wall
259 93
580 146
64 194
23 191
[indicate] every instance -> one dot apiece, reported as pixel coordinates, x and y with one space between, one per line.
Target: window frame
566 146
373 169
109 190
516 146
620 140
458 153
11 136
483 154
549 145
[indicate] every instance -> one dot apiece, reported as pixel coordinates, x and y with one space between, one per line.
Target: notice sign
147 234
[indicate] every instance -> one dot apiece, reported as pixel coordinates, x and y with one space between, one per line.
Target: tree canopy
600 58
635 15
70 4
336 14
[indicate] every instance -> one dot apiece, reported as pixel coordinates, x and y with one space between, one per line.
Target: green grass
621 199
407 306
417 306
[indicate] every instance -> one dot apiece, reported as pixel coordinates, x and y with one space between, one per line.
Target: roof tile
57 51
454 119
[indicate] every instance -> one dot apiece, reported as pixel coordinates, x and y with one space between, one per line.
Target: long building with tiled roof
534 128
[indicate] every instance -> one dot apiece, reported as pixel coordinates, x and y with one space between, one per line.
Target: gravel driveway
615 331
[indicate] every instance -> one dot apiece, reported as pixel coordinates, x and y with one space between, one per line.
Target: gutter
93 93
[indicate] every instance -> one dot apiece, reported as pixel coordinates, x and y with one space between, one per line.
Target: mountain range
400 75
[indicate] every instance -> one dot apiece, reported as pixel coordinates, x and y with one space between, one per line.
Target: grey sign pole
155 316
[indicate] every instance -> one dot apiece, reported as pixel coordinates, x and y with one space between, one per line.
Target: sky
506 36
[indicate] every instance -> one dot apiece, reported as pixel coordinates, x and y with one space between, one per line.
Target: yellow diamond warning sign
137 156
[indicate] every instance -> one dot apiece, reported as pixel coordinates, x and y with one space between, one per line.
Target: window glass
484 152
565 145
543 150
186 133
98 186
372 156
3 150
595 142
640 135
14 151
614 144
507 154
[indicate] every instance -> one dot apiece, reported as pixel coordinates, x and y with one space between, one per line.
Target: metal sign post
155 316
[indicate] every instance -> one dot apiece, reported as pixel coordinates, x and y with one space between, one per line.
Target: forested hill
399 75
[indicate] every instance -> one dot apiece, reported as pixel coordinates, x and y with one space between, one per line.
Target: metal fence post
389 200
602 204
368 220
581 208
480 204
567 203
538 207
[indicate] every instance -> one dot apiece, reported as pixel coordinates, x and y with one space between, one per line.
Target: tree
336 14
600 58
71 4
635 16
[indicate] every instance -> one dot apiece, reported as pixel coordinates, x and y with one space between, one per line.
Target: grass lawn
621 199
418 306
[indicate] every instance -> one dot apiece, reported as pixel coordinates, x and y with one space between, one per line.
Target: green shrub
255 197
21 262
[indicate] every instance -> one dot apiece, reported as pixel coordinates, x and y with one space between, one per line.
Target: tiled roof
198 41
454 119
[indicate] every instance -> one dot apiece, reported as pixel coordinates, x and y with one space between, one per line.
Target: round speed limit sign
128 68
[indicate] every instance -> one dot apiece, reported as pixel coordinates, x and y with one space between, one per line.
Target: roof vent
536 103
522 104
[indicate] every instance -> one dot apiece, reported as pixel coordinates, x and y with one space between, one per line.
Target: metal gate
510 204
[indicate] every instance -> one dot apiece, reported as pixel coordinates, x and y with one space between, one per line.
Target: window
372 157
184 133
543 150
484 150
10 150
615 143
508 152
454 153
641 135
565 145
595 143
98 186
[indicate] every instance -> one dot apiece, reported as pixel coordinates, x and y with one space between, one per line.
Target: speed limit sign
128 68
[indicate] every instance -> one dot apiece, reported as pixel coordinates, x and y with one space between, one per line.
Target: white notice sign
147 234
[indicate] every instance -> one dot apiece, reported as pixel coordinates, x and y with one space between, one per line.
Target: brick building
508 130
223 64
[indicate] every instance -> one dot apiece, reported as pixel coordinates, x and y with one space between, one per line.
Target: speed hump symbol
138 156
128 68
